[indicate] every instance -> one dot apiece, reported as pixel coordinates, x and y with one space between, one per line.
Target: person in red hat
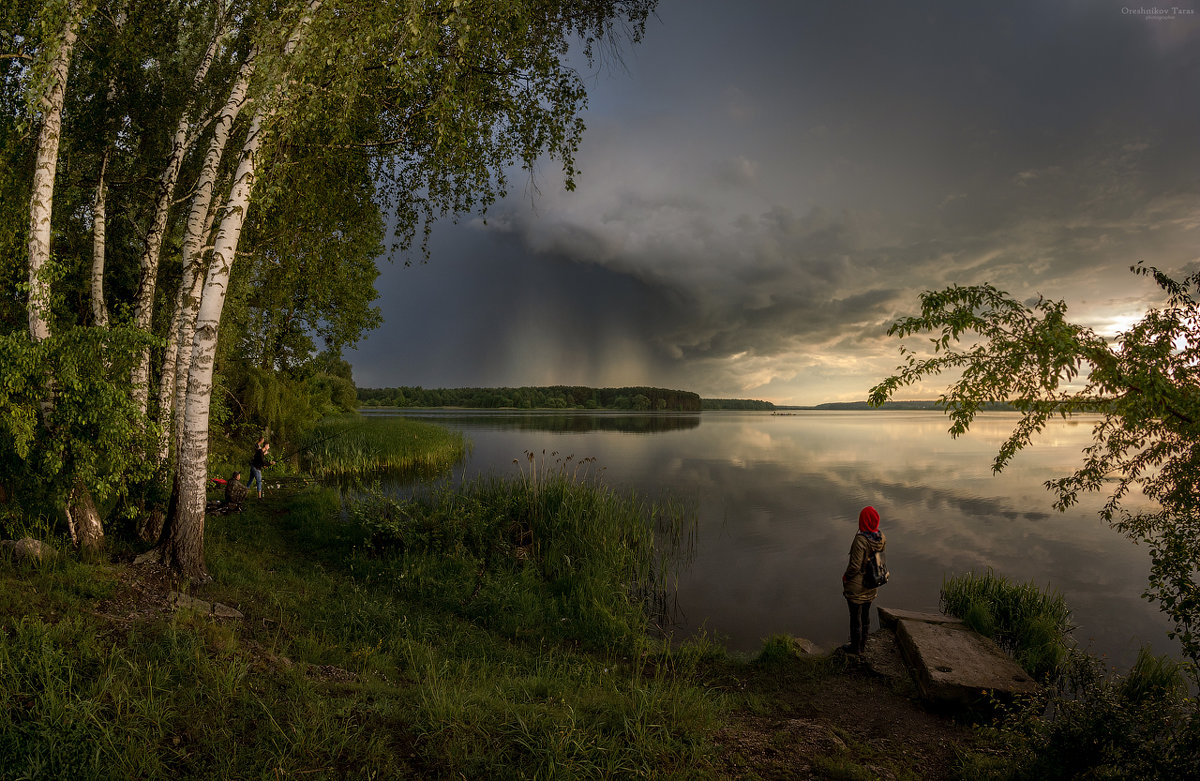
867 542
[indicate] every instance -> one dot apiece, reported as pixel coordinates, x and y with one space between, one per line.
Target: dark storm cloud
768 185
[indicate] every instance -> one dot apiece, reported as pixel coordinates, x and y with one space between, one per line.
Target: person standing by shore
258 463
867 542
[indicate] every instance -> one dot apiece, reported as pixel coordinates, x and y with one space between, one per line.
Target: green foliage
287 407
308 274
739 404
551 397
1096 725
90 435
1143 384
1031 623
443 99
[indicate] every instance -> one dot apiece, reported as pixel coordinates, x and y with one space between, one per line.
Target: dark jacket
852 581
235 492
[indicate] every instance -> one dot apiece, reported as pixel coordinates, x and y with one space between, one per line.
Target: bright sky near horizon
767 185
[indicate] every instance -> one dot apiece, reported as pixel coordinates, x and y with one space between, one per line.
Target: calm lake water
777 499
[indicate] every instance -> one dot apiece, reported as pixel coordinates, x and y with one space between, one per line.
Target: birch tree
41 202
201 216
84 448
445 97
181 141
425 108
183 541
82 517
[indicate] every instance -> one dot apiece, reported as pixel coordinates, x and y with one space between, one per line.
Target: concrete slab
954 665
888 616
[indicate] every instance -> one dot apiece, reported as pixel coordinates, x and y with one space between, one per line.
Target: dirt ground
849 718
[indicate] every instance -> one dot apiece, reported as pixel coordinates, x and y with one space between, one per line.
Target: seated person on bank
235 492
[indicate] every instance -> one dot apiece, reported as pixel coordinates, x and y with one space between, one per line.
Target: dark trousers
860 625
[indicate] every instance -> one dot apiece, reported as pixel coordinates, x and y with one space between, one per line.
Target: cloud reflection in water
778 500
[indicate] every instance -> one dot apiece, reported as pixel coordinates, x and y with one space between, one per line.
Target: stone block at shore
952 664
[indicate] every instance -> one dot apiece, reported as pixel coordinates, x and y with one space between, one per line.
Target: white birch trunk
143 306
166 387
99 231
41 202
173 387
183 547
83 519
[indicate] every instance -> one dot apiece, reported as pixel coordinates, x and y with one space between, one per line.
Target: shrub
1095 725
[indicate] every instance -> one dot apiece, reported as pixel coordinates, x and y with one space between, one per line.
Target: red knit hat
868 520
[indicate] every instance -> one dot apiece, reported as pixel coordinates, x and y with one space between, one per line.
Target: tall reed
356 445
1031 623
553 551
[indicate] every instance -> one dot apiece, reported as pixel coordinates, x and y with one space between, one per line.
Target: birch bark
183 544
99 232
176 361
41 202
143 307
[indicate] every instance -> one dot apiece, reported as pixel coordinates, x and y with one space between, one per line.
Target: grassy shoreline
352 445
334 671
495 630
355 659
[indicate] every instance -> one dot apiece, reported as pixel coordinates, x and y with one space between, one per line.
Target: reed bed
554 551
356 446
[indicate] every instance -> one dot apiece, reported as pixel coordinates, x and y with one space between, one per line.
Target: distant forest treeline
736 404
992 406
552 397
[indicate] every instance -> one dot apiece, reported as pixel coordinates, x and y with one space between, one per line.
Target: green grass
1032 624
356 660
357 445
501 630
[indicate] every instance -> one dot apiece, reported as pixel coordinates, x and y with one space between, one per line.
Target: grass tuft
1032 624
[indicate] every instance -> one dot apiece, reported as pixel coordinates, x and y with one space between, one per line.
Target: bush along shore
497 630
1089 722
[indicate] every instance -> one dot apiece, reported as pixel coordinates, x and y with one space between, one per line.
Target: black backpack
875 571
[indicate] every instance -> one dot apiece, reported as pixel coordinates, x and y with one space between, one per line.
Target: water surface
777 499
